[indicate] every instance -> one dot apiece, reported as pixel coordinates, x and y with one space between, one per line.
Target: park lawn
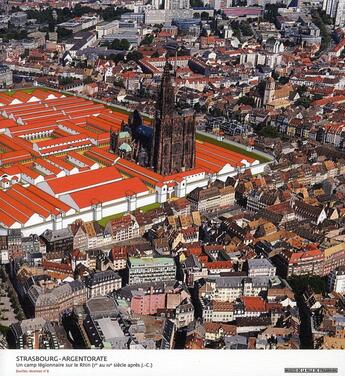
117 109
31 89
114 108
10 92
149 207
237 149
103 222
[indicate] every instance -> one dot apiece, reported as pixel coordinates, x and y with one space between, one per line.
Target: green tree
12 33
20 316
65 80
302 89
303 101
269 131
318 21
134 55
236 28
147 40
120 44
300 283
63 33
316 97
87 80
326 19
197 107
203 33
246 29
112 13
204 16
116 57
271 12
155 54
216 112
275 75
4 329
283 80
79 10
196 3
247 101
63 15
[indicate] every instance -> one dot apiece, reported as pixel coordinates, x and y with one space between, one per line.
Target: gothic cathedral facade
173 134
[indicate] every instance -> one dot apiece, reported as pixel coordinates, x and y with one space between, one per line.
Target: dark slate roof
99 277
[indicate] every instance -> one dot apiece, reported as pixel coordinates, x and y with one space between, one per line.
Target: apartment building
228 289
261 267
300 263
52 304
103 283
212 198
123 228
150 269
336 280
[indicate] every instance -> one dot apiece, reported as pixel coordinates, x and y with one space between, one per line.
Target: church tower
114 140
269 91
174 132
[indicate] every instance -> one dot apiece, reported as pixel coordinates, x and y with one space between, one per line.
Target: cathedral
168 147
173 134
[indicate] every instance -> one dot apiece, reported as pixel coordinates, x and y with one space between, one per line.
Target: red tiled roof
212 327
56 266
300 256
81 158
328 100
254 304
84 180
218 264
108 192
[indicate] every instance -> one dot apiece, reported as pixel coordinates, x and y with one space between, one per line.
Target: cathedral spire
166 96
173 146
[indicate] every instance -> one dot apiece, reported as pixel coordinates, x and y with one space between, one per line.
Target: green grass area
103 222
118 109
237 149
11 92
4 329
29 90
126 112
300 283
149 207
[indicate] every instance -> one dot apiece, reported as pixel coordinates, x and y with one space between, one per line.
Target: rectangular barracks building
55 165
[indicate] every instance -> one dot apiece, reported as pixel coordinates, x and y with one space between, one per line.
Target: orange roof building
59 148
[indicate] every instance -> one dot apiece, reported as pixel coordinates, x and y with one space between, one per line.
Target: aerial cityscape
172 174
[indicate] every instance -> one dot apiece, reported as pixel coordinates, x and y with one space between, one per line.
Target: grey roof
58 293
30 325
54 235
101 306
99 277
4 68
237 281
259 263
34 292
110 328
235 341
33 324
192 262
